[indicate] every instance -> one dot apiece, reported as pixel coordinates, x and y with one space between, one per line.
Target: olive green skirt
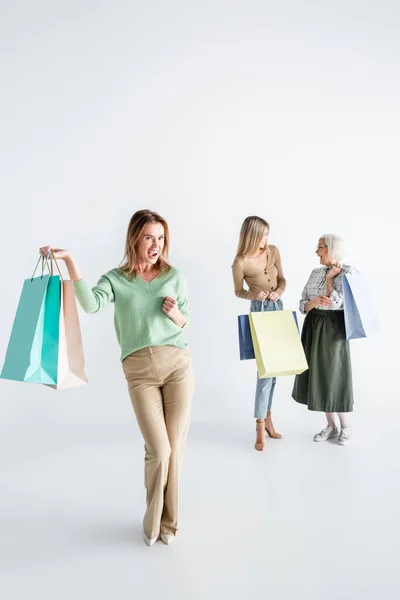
327 384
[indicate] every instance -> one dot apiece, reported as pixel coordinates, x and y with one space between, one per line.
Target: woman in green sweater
151 309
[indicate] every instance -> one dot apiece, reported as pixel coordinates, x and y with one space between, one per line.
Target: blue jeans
265 387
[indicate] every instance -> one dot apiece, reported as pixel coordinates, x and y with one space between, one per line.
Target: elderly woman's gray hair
335 246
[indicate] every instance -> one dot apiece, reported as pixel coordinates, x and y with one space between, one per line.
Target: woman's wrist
72 268
180 320
309 305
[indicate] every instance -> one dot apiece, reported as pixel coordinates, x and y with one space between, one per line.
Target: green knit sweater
138 316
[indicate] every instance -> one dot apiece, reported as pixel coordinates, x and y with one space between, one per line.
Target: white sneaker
345 436
149 541
326 434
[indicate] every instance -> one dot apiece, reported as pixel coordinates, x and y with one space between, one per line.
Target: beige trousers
160 382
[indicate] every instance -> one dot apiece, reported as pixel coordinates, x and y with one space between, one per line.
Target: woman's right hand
262 296
65 255
318 301
58 253
322 301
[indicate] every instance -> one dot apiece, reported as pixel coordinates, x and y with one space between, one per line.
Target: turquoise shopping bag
32 353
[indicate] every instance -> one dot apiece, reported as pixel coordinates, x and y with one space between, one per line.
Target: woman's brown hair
136 226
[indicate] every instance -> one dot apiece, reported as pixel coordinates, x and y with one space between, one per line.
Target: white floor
301 520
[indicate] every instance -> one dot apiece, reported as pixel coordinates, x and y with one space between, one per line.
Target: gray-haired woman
327 384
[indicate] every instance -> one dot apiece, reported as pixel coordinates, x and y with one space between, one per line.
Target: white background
206 112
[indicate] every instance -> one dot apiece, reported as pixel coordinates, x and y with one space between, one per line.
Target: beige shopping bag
277 344
71 361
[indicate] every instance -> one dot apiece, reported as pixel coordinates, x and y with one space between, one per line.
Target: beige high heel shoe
260 426
271 431
149 541
167 539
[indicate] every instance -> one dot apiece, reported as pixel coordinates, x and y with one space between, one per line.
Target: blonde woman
151 309
327 385
258 264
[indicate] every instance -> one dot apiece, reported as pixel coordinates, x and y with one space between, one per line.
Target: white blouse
316 286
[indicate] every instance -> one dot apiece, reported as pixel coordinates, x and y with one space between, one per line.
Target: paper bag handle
262 305
45 262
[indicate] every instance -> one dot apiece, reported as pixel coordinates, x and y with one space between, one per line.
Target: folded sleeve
304 297
336 296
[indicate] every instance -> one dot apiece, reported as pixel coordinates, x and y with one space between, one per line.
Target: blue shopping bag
360 316
246 348
32 353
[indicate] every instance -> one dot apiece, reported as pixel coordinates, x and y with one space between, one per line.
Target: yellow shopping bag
277 344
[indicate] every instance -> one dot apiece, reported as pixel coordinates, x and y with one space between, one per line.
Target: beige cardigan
270 279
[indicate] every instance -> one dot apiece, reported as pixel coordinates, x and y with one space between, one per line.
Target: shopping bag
360 316
71 362
46 344
32 352
246 348
277 345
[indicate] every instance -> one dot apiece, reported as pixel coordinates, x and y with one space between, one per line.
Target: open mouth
152 254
